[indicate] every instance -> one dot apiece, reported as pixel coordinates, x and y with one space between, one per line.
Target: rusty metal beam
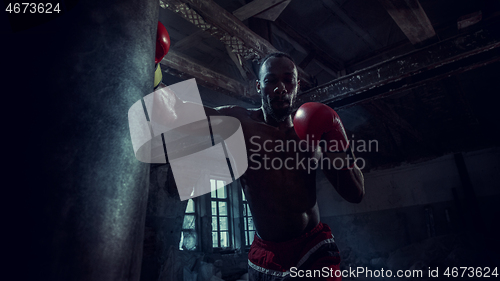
180 66
443 59
228 28
411 18
224 20
243 13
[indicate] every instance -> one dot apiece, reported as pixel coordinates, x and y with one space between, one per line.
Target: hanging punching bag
87 191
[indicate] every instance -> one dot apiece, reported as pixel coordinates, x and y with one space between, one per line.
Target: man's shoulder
236 111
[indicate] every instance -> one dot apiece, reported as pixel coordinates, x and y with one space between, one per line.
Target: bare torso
282 201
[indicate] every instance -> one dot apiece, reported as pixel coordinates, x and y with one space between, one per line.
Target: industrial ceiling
414 75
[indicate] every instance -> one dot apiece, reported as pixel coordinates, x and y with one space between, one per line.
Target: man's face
278 86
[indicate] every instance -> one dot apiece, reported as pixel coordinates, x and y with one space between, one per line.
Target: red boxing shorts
312 256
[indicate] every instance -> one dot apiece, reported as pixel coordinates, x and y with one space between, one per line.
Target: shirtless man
283 202
290 236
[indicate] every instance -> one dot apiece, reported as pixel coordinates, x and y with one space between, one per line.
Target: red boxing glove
162 42
314 121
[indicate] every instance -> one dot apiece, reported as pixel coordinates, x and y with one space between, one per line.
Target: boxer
290 239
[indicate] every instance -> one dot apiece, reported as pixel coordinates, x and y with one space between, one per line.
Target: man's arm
176 104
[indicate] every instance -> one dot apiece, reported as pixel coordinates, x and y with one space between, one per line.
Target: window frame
203 219
229 215
196 231
244 206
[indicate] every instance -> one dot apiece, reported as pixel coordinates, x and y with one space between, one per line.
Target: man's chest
262 140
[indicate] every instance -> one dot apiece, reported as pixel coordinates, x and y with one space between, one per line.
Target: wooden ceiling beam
237 62
339 12
254 8
190 40
321 56
411 18
183 66
307 60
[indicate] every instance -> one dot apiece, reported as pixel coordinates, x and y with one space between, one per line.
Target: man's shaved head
273 55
